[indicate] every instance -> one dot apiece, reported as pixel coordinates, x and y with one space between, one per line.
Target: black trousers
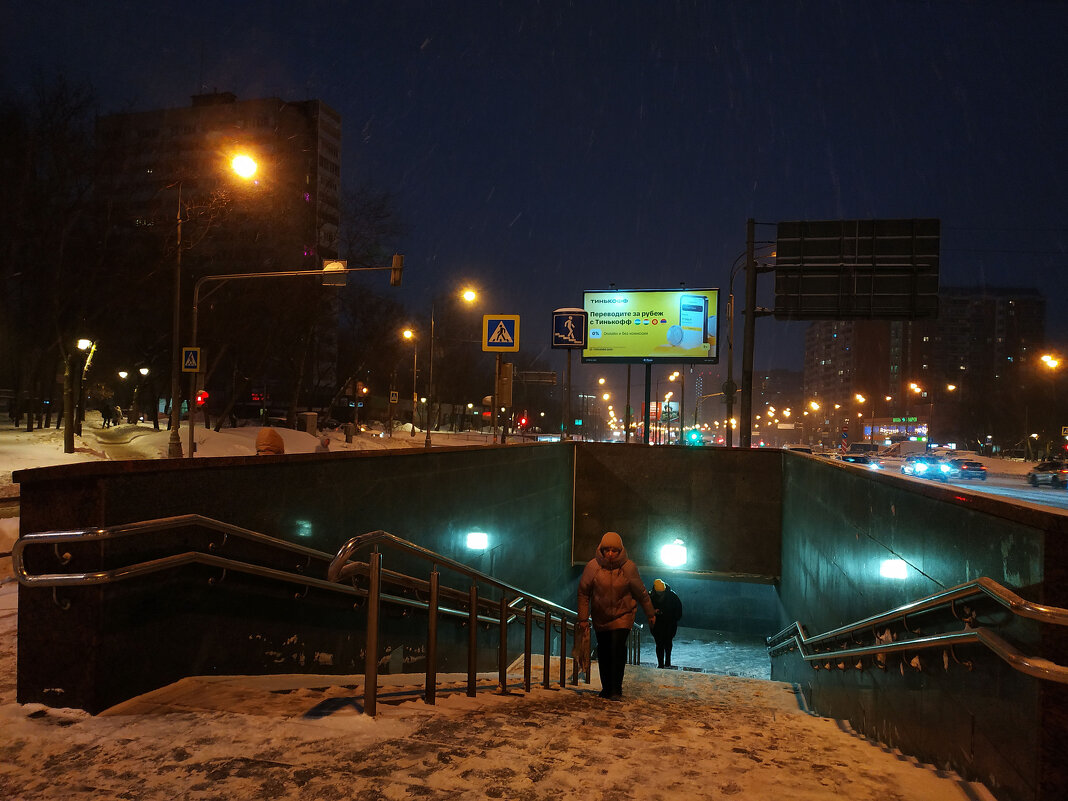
612 659
663 649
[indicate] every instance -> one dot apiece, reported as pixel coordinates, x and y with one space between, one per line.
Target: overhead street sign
857 269
500 333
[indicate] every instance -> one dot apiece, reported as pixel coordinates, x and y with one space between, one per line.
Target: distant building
973 356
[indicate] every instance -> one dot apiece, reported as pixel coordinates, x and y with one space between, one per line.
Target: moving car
862 460
1053 473
967 468
926 467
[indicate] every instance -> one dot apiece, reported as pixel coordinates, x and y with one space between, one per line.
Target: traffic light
396 270
202 397
523 420
694 437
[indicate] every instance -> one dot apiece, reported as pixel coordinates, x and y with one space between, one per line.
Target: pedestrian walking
269 443
610 590
668 608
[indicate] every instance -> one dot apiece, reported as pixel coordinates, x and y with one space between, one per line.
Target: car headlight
920 467
945 468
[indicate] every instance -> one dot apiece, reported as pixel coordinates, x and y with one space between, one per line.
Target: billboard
652 326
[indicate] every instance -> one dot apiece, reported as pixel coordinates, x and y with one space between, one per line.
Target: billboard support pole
648 386
745 429
626 421
568 420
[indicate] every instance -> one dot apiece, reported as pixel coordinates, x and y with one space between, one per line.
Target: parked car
923 466
1053 473
967 468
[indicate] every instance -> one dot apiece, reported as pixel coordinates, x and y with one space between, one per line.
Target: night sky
543 148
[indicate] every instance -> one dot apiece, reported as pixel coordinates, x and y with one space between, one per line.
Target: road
1012 488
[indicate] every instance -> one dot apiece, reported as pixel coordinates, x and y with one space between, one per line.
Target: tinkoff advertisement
652 325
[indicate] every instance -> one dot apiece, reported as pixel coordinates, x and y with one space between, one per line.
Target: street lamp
244 166
409 334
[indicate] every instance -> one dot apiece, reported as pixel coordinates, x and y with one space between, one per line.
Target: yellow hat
659 586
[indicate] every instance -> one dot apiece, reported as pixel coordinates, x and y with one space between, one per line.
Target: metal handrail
341 568
479 611
345 552
1030 665
983 587
126 530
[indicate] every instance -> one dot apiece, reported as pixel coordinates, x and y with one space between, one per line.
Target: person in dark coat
610 591
668 608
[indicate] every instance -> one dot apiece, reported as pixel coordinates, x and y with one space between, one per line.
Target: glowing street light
409 334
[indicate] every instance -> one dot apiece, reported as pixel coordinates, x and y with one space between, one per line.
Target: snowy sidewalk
675 735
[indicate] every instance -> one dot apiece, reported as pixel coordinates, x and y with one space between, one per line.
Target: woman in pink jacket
611 589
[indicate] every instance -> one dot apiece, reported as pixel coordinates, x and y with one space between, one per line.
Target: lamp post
244 166
468 296
430 381
174 442
89 345
409 334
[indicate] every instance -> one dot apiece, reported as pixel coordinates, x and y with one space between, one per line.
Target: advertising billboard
652 326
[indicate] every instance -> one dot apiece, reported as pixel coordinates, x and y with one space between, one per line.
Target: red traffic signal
202 396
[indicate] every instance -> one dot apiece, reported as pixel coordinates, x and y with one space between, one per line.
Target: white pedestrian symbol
501 335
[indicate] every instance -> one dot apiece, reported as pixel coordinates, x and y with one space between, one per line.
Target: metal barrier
468 606
837 648
504 610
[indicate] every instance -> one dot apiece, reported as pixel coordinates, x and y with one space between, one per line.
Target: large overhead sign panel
857 270
652 326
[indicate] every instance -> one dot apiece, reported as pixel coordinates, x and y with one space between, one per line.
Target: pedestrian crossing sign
500 333
190 360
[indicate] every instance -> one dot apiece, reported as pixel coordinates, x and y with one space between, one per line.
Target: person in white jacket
610 589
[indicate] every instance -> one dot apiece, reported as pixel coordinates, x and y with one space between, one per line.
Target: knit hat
659 586
269 443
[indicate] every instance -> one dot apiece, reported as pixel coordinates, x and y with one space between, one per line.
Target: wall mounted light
477 540
673 554
893 569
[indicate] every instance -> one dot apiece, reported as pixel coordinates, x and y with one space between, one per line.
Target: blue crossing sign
500 333
190 360
569 328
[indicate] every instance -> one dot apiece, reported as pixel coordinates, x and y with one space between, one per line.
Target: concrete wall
519 495
726 507
983 719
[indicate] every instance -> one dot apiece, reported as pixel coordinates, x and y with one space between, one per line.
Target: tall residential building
940 375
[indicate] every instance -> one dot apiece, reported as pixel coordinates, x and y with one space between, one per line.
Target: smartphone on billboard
693 319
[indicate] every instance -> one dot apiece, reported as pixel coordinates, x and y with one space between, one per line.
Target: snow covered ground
676 734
